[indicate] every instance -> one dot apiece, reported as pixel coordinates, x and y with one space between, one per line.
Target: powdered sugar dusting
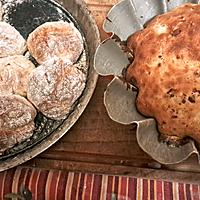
14 72
61 17
54 87
7 5
1 11
11 42
61 39
15 112
16 120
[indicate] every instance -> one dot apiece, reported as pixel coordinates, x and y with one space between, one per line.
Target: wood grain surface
97 144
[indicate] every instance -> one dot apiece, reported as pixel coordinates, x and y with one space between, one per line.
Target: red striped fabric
159 190
75 186
58 185
88 186
195 192
62 185
109 187
42 183
152 189
132 188
182 191
123 187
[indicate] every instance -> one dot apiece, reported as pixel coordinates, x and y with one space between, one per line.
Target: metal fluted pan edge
125 18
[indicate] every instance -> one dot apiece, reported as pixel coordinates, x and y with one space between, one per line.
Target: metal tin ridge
125 18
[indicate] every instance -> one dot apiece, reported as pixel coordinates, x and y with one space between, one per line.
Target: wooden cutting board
97 144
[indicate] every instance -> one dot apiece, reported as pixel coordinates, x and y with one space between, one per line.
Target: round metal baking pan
25 16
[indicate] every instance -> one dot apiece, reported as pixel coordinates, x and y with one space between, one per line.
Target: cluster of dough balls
56 83
17 114
52 88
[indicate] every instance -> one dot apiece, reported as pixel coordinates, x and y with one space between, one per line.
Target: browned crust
55 39
166 70
54 87
14 72
16 120
11 41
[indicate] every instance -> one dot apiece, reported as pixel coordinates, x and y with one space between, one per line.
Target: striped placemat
58 185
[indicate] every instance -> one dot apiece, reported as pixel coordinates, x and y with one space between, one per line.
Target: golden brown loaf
14 72
55 39
54 87
16 120
166 70
11 42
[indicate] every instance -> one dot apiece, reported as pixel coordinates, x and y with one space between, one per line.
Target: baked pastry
54 87
166 70
11 42
55 39
16 120
14 72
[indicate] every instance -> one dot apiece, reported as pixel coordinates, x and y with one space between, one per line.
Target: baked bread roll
54 87
166 70
16 120
14 72
11 42
55 39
